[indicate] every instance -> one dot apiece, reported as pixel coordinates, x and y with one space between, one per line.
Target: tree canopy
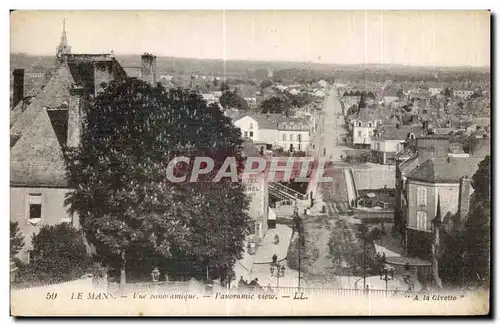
232 100
16 239
276 104
128 208
266 83
477 225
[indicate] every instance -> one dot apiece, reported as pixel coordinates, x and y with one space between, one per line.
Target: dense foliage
16 239
133 215
465 258
59 254
232 100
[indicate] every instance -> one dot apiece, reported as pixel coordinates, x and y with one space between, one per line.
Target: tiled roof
395 133
36 158
443 170
270 121
55 93
369 114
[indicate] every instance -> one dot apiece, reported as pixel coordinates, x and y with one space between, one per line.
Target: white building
209 98
275 130
363 127
463 93
435 89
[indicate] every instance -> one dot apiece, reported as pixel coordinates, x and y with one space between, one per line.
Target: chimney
464 198
74 116
148 68
18 87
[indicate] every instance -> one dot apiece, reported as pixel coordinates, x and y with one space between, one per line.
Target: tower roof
63 47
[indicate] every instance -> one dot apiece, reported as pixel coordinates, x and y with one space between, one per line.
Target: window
299 137
421 196
422 220
299 146
251 133
291 137
31 256
369 124
412 136
359 124
251 126
35 208
370 133
360 133
246 134
284 137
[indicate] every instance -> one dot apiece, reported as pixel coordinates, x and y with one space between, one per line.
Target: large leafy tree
232 100
477 226
128 207
276 104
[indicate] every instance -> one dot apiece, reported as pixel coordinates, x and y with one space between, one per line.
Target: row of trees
130 213
284 103
368 94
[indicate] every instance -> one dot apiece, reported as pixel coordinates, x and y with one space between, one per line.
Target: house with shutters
42 127
388 140
427 169
446 181
275 130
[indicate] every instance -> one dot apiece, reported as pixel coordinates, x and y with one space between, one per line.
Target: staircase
284 193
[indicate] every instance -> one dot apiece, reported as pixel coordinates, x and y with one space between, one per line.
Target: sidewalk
268 248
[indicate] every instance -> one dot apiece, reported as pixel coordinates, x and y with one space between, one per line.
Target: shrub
16 239
59 254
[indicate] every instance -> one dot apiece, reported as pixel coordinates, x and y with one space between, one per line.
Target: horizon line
270 60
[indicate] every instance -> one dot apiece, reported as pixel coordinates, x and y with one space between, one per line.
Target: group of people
252 284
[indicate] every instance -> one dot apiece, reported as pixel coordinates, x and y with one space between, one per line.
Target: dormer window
359 124
412 136
370 124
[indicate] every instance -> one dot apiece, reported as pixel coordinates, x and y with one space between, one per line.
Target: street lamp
387 275
277 270
155 275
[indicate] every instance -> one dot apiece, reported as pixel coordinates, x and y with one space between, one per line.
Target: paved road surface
331 131
327 140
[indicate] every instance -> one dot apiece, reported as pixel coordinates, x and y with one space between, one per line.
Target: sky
419 38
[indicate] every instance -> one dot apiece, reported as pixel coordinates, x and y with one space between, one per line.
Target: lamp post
387 275
155 274
298 226
277 270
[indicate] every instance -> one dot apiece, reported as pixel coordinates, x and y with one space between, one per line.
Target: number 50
51 296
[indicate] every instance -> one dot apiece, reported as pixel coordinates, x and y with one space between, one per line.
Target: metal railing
287 192
284 290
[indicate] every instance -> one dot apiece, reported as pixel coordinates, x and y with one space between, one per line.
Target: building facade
40 129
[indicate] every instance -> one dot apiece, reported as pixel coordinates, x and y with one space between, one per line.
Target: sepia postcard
250 163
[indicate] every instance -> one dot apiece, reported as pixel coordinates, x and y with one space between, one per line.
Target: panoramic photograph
250 163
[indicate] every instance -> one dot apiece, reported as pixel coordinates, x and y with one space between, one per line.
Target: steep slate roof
276 121
445 170
55 93
369 114
36 158
38 133
389 132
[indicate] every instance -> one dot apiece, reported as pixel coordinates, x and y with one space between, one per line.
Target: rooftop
445 170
